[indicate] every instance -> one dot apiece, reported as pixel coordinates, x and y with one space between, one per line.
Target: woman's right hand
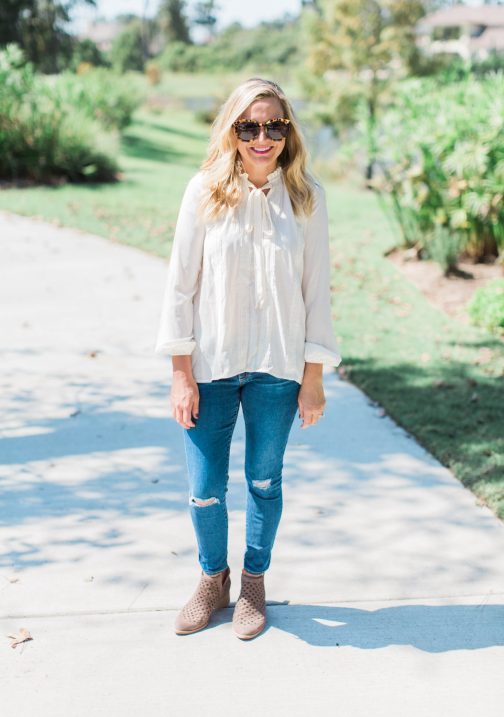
184 396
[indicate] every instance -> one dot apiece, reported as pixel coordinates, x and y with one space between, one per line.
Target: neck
259 176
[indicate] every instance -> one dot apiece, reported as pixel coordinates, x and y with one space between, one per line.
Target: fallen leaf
23 636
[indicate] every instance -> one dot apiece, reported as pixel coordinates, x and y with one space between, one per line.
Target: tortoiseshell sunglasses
275 129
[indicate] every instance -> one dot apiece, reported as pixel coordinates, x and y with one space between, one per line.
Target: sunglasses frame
258 125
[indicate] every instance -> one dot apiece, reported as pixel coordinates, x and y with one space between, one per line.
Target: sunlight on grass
424 368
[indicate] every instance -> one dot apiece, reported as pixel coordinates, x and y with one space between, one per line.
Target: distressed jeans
269 405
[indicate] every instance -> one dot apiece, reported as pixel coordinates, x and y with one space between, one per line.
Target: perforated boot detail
212 593
249 617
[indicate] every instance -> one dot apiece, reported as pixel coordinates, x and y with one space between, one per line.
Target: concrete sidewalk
386 588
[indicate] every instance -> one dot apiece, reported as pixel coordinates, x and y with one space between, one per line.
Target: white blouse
249 291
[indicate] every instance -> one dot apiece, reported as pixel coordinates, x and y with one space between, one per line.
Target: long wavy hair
222 166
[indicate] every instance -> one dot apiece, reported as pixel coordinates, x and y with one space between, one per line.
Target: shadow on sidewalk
431 628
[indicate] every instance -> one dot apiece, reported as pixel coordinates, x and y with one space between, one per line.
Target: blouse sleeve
175 335
320 342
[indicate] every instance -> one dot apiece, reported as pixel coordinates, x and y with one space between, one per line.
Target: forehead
264 109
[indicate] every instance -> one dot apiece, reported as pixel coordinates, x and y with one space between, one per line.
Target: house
470 32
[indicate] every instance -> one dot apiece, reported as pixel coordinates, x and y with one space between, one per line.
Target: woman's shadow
432 628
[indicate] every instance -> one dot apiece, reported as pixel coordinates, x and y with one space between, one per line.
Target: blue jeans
269 406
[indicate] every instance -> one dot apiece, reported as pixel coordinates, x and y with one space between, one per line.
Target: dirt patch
451 293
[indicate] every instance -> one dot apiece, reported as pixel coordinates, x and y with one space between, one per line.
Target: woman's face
259 156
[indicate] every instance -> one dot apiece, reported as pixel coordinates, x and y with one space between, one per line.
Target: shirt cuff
178 347
316 353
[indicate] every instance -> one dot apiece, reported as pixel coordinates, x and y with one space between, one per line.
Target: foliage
356 49
267 46
86 52
493 63
181 57
206 15
442 161
43 135
101 94
172 20
128 50
486 307
38 27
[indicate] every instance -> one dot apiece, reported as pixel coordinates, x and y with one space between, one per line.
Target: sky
248 13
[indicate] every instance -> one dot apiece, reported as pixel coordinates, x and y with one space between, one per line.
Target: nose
262 131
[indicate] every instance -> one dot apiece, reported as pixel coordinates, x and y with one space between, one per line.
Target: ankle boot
211 594
249 617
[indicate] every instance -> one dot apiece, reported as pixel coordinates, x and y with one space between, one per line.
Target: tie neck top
250 290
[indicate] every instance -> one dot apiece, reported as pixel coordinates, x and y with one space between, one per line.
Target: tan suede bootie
211 594
249 617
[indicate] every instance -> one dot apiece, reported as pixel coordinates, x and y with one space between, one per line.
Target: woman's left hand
311 400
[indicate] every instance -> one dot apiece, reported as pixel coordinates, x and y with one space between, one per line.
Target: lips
261 150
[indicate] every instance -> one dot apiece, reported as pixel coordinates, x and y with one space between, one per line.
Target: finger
180 417
195 410
186 415
310 419
306 421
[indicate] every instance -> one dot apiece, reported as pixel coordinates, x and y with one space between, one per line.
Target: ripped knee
262 484
203 502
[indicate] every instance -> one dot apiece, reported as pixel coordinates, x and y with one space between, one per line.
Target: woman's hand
311 399
184 392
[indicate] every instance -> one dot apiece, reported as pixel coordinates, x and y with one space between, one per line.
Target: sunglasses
275 129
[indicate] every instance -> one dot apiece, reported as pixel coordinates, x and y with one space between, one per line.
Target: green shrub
102 94
264 47
86 51
486 307
42 135
443 245
181 57
442 159
127 51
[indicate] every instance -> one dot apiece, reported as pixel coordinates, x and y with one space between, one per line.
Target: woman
247 320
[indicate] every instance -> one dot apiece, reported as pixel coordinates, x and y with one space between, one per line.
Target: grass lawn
442 381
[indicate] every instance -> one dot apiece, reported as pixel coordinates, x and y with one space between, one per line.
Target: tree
38 26
173 22
127 51
205 15
357 48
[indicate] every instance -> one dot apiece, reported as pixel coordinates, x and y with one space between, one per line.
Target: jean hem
214 572
252 572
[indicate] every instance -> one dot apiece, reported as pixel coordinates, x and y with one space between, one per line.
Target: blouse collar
273 178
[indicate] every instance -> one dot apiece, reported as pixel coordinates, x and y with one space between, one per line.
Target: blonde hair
222 166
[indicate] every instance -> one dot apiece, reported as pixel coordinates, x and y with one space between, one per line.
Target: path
387 578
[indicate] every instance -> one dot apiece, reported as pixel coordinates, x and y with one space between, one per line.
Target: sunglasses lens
277 130
247 131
